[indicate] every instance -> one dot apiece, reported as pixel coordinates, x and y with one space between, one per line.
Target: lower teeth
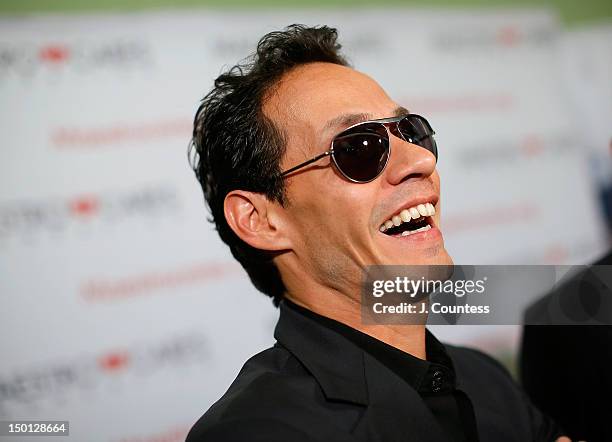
411 232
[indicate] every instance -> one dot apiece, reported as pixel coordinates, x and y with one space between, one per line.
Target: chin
433 254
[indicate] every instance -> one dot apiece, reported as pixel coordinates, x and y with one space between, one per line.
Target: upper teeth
409 214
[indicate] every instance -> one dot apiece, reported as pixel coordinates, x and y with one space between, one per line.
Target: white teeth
412 232
407 215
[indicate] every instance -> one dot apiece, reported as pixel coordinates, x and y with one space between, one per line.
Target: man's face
334 224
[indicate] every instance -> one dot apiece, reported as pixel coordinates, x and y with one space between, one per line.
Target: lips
409 220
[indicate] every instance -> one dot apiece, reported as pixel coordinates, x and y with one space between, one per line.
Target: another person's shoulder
271 388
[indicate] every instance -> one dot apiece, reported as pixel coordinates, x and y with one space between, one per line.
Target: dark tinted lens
416 130
362 151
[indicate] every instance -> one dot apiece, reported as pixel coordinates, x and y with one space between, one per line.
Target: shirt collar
431 376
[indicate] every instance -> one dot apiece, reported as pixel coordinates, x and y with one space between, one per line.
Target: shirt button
438 380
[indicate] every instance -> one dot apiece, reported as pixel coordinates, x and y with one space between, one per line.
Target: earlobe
248 215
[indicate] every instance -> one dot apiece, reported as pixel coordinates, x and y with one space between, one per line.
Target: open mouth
410 221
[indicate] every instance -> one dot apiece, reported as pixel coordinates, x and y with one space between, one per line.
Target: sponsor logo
100 372
518 213
506 152
28 218
238 46
105 289
69 138
25 59
490 38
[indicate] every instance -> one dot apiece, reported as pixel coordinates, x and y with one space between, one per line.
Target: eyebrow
346 120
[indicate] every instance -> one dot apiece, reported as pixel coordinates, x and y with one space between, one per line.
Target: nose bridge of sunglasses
394 130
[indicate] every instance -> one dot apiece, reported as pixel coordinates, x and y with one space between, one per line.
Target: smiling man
312 172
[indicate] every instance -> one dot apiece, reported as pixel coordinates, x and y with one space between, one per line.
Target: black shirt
317 385
434 379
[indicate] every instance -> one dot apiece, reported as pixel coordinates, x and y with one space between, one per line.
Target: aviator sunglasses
362 151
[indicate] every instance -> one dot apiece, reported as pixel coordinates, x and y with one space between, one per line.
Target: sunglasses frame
384 122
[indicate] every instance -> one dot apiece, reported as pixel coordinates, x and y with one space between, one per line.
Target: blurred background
123 312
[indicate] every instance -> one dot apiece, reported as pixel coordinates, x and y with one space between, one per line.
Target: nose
408 162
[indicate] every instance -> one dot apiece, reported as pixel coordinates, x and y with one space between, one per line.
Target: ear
255 219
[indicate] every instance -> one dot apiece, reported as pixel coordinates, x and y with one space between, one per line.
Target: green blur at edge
572 12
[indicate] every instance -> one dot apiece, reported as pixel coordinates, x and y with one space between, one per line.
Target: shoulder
264 402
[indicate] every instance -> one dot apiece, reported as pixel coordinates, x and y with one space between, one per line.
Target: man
313 172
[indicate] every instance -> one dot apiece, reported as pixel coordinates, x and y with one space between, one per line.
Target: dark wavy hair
235 146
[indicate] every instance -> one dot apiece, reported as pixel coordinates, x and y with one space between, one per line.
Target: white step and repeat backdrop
123 312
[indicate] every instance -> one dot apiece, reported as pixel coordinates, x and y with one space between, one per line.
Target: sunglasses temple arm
306 163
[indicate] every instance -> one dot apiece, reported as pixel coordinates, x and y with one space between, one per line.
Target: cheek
435 177
352 206
334 238
335 211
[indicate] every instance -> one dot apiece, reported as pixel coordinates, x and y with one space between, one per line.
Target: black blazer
316 385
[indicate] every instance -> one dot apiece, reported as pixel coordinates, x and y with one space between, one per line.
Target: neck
407 338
